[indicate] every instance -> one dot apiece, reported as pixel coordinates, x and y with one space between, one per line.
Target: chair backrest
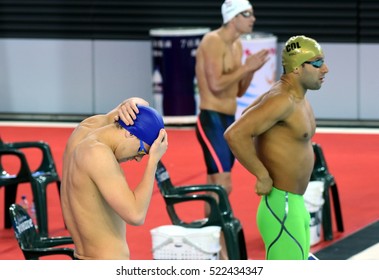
47 164
24 228
39 177
221 213
163 179
320 168
23 174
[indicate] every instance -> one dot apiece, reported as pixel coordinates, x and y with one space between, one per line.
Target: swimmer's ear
128 134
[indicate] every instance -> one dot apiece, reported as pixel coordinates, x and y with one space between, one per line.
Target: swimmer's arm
143 191
255 62
126 110
254 122
109 178
130 204
244 84
255 102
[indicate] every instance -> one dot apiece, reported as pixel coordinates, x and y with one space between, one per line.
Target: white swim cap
231 8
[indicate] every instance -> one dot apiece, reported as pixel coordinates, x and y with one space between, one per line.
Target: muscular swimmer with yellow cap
272 140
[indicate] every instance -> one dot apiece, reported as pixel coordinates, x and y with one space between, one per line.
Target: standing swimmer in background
273 141
222 78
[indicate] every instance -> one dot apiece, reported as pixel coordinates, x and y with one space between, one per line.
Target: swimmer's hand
255 61
159 147
263 186
128 110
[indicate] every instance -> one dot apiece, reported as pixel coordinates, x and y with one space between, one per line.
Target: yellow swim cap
297 50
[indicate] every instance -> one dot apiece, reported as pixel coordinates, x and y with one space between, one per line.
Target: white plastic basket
171 242
313 198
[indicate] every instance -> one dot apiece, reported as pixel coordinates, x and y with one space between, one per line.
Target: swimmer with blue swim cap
146 126
96 198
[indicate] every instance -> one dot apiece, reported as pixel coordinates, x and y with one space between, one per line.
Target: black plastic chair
43 175
47 166
38 179
220 212
33 245
321 173
11 181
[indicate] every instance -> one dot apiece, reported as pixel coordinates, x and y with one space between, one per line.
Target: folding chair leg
337 208
59 194
40 203
10 194
326 216
230 242
235 242
242 247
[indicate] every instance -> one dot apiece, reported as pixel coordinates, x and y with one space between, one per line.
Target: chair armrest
41 252
326 177
223 204
47 163
24 171
213 218
56 241
43 146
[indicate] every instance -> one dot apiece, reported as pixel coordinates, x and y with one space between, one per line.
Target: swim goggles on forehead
316 63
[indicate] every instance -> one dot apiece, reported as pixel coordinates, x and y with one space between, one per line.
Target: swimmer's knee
222 179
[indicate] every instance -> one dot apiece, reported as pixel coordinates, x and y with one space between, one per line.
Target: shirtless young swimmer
97 201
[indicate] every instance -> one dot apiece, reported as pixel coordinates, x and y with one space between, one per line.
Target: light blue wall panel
338 96
122 70
87 77
369 81
45 76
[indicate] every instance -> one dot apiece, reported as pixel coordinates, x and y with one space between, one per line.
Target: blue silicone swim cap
147 124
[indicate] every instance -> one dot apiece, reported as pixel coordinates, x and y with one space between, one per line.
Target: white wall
350 90
122 69
368 81
72 76
86 77
337 98
45 76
